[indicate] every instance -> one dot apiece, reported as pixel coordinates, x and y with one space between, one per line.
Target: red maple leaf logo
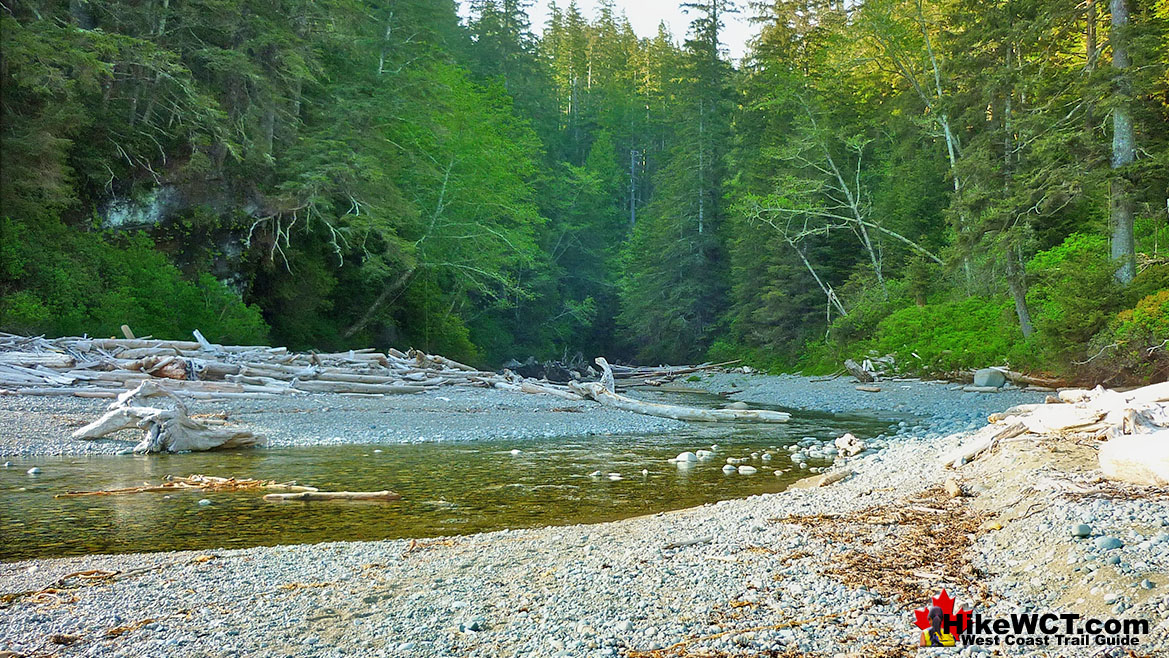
946 603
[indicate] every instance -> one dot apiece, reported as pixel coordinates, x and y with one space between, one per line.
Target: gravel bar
739 577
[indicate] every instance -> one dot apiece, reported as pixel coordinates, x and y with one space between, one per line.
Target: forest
957 183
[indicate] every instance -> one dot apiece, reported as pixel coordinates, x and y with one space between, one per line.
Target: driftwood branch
599 392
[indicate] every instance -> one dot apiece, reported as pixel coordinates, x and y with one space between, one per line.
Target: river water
447 488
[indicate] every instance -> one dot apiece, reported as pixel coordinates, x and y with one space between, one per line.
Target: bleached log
90 392
984 440
598 392
1137 459
332 495
532 387
855 369
51 359
357 379
351 387
165 430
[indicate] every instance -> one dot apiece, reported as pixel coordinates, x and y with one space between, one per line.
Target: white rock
747 470
685 457
849 445
34 471
704 454
729 469
517 451
204 502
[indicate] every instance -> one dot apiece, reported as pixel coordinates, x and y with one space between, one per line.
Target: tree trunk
1123 150
1018 293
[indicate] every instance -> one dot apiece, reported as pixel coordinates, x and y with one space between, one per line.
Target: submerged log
602 392
332 495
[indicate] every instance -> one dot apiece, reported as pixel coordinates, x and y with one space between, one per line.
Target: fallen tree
165 430
602 392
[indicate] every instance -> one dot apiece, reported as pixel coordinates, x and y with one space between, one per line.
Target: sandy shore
830 571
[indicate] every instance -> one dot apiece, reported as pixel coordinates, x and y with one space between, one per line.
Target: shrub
1073 292
60 281
1134 345
971 333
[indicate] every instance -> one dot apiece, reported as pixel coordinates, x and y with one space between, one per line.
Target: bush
971 333
1073 292
60 281
1133 346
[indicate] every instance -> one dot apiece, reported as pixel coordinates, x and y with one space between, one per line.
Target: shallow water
447 488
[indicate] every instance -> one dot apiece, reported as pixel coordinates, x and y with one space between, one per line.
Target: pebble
747 470
1081 530
729 469
685 457
204 502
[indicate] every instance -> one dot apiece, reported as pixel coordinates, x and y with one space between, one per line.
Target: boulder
989 377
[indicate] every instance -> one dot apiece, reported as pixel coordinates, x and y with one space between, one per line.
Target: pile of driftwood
105 368
1133 425
131 370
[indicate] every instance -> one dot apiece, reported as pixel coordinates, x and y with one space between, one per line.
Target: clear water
447 488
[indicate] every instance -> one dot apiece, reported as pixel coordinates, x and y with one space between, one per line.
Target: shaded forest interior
958 183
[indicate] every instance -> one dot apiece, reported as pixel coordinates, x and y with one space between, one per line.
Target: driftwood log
1134 426
165 430
855 369
332 495
602 392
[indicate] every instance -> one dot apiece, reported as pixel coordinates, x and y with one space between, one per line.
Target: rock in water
204 502
736 405
989 377
729 469
685 457
747 470
34 471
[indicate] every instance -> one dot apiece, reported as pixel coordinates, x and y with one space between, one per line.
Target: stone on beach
849 445
992 377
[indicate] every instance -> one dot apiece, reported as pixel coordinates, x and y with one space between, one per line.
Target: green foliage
945 337
1135 344
1073 291
58 281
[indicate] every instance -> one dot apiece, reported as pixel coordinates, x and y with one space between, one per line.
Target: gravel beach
42 425
828 571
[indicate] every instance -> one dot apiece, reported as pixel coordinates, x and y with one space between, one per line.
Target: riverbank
37 426
820 571
42 425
